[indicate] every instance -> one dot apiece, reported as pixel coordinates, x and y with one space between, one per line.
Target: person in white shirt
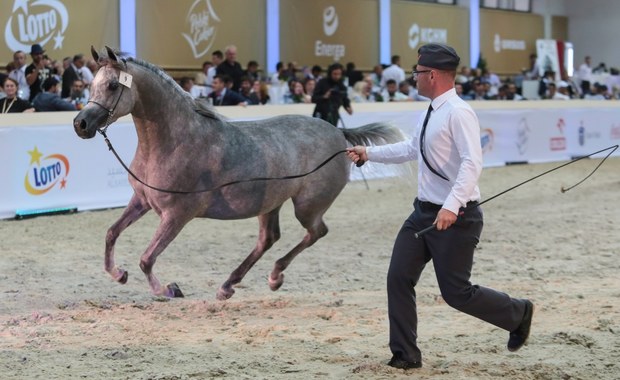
394 72
216 58
447 146
392 93
558 91
584 73
19 74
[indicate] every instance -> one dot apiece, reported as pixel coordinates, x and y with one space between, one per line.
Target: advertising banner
184 33
508 38
51 167
63 28
48 166
321 32
415 24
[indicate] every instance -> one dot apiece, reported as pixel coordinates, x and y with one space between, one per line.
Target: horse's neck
162 118
161 133
165 117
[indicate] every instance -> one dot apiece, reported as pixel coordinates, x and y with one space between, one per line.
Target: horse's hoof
277 283
224 293
174 291
123 278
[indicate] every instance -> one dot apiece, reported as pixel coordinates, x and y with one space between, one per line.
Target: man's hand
349 110
357 153
445 218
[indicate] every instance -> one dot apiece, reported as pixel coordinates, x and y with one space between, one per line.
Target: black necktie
422 135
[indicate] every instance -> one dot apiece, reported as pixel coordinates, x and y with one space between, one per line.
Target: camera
335 90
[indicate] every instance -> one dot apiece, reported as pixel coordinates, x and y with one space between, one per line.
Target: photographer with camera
329 94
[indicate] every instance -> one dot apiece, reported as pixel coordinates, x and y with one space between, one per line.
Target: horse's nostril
83 124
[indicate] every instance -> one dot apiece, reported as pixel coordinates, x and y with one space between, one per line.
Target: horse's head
110 95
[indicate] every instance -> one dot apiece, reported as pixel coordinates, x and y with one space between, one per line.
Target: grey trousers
452 252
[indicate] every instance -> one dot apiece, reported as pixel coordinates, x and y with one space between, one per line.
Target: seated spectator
464 77
224 96
562 92
201 76
479 92
11 102
375 91
553 94
502 93
79 94
309 85
376 77
252 72
361 93
458 87
391 93
246 90
296 94
92 66
493 80
216 58
597 92
406 89
513 93
186 84
49 99
549 77
260 93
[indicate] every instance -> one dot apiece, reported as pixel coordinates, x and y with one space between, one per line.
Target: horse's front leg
168 229
269 233
134 211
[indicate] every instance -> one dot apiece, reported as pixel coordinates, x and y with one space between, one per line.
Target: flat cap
438 56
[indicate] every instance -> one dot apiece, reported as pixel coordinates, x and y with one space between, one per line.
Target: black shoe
403 364
519 336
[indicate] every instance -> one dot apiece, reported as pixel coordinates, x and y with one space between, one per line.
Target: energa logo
330 20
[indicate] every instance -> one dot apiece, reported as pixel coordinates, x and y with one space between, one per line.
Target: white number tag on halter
125 79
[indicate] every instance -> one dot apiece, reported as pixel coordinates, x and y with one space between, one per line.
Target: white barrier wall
45 165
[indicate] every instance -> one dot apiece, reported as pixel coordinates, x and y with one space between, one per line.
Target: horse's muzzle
85 125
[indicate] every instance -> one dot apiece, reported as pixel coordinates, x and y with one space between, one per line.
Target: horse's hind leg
312 220
269 233
134 211
168 229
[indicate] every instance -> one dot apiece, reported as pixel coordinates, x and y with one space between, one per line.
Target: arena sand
62 317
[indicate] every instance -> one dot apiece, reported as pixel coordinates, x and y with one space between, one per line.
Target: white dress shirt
452 147
392 72
20 76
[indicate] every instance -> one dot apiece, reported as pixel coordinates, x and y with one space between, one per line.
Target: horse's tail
373 134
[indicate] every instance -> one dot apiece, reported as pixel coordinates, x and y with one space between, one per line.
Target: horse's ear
94 53
111 54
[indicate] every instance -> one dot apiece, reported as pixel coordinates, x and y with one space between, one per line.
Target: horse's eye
113 85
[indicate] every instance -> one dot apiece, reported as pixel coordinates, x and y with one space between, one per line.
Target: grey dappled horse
184 145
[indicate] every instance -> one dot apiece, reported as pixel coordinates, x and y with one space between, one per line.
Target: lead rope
111 148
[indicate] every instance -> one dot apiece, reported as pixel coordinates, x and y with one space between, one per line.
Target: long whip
563 189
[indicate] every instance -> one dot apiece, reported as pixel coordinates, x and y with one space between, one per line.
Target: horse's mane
201 107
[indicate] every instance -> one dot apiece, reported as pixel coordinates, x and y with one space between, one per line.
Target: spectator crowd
44 84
